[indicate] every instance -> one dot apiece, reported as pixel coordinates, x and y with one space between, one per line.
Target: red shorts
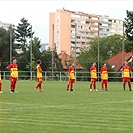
39 79
93 79
126 79
12 79
104 81
71 80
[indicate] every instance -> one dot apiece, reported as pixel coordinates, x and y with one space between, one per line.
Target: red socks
12 86
39 86
124 86
90 86
94 85
71 86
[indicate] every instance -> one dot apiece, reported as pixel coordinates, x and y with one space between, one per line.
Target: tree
129 31
36 45
5 45
46 57
108 46
23 32
28 66
129 25
128 45
36 54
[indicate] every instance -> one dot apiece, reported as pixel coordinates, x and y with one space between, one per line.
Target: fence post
75 77
4 76
60 76
31 75
45 75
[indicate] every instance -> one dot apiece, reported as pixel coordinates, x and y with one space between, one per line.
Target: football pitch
58 111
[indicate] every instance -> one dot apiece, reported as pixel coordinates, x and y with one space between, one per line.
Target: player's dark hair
38 61
13 58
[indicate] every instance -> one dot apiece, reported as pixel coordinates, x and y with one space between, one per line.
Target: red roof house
116 60
66 61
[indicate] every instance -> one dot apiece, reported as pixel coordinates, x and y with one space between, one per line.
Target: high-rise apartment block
6 25
69 31
108 26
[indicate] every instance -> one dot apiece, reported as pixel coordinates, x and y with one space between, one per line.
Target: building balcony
90 20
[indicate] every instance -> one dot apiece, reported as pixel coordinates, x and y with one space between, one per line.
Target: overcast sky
37 11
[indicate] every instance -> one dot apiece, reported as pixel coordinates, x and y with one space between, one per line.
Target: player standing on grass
14 74
104 77
126 74
93 72
39 76
71 78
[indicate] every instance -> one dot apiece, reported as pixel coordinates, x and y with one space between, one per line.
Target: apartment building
6 25
69 31
109 26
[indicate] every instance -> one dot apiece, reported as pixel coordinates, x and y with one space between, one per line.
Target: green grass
58 111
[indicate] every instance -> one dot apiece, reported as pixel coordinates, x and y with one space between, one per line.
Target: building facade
71 31
6 25
108 26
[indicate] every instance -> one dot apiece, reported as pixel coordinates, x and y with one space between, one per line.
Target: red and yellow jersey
71 72
104 73
93 71
39 71
14 70
126 71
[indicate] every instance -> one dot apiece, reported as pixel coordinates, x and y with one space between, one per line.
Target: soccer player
126 73
104 77
93 72
39 76
71 79
14 74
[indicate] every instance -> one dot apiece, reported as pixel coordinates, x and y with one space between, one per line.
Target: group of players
126 75
14 76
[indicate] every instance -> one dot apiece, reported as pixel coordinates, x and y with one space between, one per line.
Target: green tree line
22 41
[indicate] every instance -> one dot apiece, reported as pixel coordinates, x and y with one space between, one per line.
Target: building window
57 32
57 37
72 20
72 37
57 26
73 31
57 43
72 26
58 16
57 21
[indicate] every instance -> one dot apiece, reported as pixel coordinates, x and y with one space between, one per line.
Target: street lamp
123 45
10 44
52 49
31 55
75 49
98 47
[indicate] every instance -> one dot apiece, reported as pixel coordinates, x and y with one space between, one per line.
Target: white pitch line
69 106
